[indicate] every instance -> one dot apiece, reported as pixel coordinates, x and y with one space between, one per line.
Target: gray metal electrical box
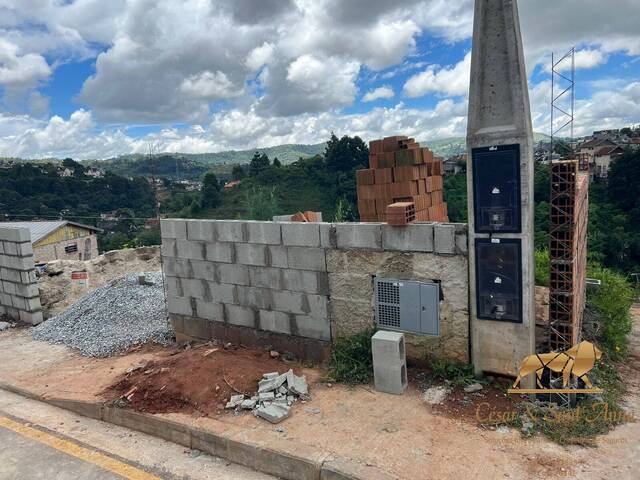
407 306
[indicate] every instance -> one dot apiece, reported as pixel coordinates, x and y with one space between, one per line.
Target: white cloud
583 59
209 85
259 56
20 71
381 92
449 81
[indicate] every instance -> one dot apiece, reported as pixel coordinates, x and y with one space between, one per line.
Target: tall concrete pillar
500 186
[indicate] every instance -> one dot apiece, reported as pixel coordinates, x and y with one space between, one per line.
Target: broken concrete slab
270 376
265 396
249 404
4 326
271 384
273 413
297 385
234 401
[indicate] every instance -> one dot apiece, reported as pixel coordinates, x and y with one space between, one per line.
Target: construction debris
276 394
4 326
112 318
474 387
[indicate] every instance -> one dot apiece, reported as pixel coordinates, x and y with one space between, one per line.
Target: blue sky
94 79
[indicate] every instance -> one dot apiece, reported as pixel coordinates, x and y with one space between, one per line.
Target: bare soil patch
196 380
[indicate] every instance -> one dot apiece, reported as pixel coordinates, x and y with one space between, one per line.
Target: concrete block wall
19 294
274 283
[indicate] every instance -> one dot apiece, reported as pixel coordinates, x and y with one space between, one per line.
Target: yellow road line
75 450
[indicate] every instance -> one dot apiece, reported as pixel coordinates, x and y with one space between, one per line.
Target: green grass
459 374
351 359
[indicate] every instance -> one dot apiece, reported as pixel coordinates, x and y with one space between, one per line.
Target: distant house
455 164
602 159
60 239
602 149
94 172
231 184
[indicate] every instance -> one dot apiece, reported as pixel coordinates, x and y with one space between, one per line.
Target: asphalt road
41 442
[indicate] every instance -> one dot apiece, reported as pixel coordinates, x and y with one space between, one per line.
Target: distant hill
193 166
447 147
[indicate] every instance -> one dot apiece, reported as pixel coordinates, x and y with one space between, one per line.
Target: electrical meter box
496 189
407 306
499 279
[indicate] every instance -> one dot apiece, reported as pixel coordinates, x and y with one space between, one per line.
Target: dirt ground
400 435
215 373
58 292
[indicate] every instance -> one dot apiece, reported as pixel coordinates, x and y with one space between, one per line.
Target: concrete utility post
500 186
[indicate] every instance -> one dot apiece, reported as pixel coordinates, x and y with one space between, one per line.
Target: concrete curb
257 457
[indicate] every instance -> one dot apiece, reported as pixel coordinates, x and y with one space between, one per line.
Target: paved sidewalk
41 442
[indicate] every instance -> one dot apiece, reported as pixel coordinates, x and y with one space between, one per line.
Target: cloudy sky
97 78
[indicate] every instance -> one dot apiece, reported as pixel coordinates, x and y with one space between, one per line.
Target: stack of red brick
400 171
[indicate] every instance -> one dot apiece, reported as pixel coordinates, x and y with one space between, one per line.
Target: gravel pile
112 318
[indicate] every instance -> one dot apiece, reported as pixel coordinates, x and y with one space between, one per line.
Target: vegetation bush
458 374
542 267
351 358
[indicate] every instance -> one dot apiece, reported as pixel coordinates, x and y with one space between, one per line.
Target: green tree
276 162
237 172
259 163
210 192
346 154
261 203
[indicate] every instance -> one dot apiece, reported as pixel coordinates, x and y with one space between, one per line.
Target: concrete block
203 230
19 302
462 242
5 300
390 379
32 304
201 269
15 234
263 232
444 238
220 252
307 258
413 237
359 235
229 230
174 286
32 318
300 234
208 291
197 327
168 248
1 248
310 327
251 254
209 310
10 248
260 298
273 413
276 256
29 276
273 321
389 362
25 249
28 291
179 305
18 263
300 303
232 273
173 228
305 281
388 348
238 315
11 275
9 287
191 249
267 277
327 235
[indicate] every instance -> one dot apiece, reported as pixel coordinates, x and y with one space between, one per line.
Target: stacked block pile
401 171
19 294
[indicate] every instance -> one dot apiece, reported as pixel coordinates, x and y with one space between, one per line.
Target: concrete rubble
4 326
276 394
